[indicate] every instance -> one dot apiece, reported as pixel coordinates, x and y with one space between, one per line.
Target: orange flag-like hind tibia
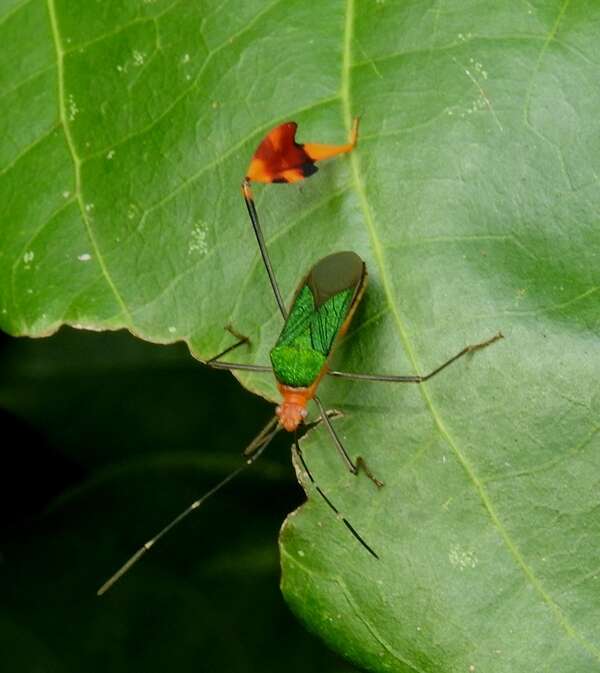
279 158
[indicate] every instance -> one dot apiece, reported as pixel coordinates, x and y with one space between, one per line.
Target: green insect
320 314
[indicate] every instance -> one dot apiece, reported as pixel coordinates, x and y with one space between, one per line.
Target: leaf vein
122 28
193 85
14 10
30 240
38 141
75 158
351 602
27 80
551 36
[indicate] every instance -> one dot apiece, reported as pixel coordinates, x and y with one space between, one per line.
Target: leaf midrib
359 187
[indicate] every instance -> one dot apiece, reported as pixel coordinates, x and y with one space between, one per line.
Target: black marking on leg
357 536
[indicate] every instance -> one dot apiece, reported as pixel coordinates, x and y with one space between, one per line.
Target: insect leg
349 526
362 465
332 413
230 366
320 151
247 194
241 340
352 467
215 364
416 378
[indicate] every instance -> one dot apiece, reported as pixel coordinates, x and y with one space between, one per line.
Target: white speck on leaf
131 211
85 257
89 207
28 256
73 109
185 58
172 329
197 243
300 552
138 58
462 558
66 194
110 155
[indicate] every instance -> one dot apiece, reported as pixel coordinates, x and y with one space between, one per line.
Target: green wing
297 325
307 337
328 320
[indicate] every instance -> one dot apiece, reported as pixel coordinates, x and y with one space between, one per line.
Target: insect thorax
296 367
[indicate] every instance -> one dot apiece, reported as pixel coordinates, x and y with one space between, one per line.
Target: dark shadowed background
105 438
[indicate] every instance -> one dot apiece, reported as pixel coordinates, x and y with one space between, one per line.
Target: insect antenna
265 435
247 194
256 447
296 449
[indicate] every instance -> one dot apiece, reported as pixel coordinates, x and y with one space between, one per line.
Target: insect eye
304 413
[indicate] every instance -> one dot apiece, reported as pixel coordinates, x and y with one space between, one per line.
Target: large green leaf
474 199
